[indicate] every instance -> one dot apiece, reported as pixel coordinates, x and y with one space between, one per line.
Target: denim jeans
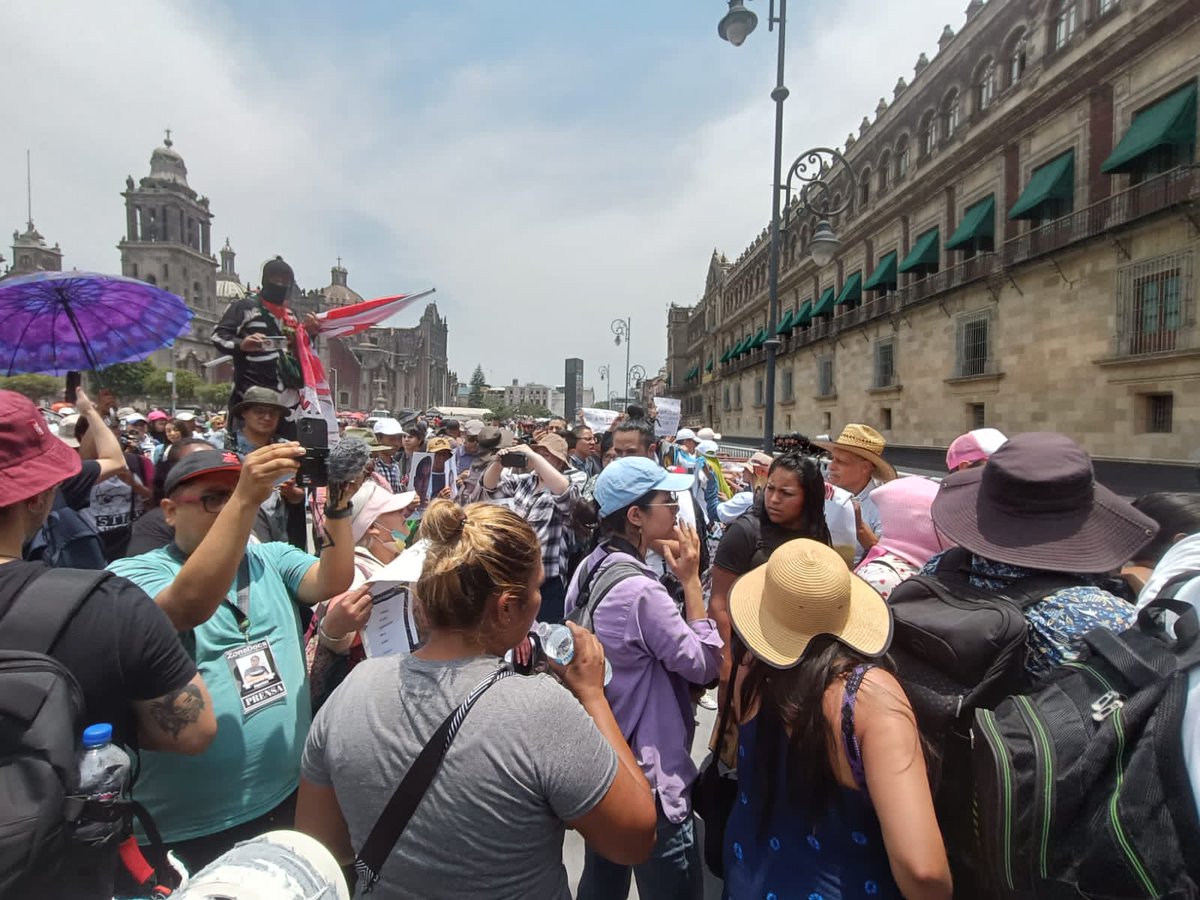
673 871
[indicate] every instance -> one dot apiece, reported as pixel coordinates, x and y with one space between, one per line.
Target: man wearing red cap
231 600
119 646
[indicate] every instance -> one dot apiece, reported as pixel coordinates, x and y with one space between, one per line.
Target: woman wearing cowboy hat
834 798
858 466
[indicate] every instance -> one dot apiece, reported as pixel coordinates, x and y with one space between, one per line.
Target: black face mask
274 293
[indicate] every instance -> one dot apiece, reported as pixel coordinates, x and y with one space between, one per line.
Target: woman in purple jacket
657 651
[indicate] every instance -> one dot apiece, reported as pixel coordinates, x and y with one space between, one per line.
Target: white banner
598 419
668 416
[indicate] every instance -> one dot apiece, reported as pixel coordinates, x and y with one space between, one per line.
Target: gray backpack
595 583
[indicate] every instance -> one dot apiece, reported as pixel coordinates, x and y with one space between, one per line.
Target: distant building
168 243
558 402
517 394
1019 252
30 253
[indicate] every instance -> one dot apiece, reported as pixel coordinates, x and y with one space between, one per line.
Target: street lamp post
622 328
812 169
605 372
635 376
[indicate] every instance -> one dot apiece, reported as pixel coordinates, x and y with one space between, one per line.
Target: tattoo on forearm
175 711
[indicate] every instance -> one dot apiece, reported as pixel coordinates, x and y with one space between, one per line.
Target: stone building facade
31 253
168 243
1019 252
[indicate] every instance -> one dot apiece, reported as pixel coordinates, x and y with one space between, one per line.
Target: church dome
166 164
339 293
230 290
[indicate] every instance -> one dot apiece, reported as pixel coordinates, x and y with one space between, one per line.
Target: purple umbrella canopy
60 322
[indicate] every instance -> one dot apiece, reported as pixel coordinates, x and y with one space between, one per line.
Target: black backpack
1080 788
958 647
41 721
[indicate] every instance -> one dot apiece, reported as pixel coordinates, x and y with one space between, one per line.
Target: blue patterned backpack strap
849 738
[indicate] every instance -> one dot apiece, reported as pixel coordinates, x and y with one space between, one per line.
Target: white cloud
539 221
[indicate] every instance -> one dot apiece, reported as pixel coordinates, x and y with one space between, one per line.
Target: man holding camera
537 489
230 601
255 331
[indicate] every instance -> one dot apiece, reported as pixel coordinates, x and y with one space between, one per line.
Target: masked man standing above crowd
251 330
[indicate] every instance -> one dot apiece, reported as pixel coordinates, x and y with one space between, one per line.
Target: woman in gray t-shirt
532 758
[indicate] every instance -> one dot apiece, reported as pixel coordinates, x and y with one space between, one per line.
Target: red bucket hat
32 459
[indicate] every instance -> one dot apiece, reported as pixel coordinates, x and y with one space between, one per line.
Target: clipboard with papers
392 627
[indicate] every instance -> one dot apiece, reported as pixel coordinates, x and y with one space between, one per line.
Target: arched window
1017 52
950 115
864 188
902 159
985 85
885 172
929 133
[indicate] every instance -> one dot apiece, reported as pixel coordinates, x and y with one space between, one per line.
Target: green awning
725 356
740 349
824 305
851 290
803 314
1053 181
884 276
759 339
785 324
924 253
1171 122
709 367
979 221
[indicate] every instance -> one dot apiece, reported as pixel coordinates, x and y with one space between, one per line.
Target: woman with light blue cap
657 653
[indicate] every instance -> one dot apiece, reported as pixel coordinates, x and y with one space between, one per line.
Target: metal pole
628 348
778 95
174 392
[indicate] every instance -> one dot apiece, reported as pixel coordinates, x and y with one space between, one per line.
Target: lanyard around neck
240 609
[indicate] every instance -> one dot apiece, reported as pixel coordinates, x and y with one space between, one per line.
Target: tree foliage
478 383
41 389
126 380
214 396
186 385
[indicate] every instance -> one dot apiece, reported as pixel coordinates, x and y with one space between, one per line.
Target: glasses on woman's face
212 501
673 503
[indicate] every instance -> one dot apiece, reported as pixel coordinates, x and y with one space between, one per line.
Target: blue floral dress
840 856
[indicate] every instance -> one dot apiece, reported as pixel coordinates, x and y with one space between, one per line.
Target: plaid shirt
545 512
390 471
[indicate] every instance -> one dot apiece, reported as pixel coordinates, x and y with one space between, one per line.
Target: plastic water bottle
558 643
103 778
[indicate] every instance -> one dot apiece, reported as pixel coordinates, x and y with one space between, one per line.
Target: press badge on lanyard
253 664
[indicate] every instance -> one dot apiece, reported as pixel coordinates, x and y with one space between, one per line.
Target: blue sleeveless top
838 856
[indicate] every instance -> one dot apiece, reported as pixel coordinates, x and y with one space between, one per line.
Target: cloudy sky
548 167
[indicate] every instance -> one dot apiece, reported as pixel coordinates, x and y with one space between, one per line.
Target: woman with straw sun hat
833 796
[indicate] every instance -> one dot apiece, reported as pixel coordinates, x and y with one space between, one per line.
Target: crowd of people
860 632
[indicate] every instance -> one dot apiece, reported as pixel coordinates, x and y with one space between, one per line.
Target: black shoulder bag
413 787
714 792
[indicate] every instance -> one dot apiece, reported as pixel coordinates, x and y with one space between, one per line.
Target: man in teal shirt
234 605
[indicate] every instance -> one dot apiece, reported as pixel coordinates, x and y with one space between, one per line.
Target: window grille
1065 23
1155 310
974 344
789 390
825 376
885 363
1160 409
976 416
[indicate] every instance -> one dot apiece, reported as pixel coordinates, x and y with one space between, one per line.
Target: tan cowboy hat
802 591
864 441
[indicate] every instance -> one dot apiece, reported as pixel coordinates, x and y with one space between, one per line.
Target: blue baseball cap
625 481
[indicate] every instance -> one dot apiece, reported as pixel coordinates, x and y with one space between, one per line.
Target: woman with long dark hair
792 506
833 794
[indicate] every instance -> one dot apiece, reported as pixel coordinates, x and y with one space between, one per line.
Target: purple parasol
60 322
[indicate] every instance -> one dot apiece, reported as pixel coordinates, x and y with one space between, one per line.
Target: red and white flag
347 320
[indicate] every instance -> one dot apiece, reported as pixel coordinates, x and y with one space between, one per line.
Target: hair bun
443 522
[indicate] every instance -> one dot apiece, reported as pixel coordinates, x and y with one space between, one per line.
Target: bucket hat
439 445
863 441
66 430
260 396
373 500
367 436
556 446
32 459
802 591
1036 504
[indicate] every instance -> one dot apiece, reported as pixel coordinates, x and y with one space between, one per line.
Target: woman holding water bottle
657 652
532 757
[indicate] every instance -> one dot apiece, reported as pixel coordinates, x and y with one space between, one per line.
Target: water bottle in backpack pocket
103 782
1080 788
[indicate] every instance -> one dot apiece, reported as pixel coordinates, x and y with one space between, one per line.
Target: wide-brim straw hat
864 441
1036 504
802 591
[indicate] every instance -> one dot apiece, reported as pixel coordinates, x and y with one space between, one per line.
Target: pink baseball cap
974 446
373 500
157 415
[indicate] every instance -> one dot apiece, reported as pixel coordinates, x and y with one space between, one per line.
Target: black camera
313 435
511 460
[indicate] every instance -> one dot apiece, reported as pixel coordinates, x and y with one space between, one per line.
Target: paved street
573 844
